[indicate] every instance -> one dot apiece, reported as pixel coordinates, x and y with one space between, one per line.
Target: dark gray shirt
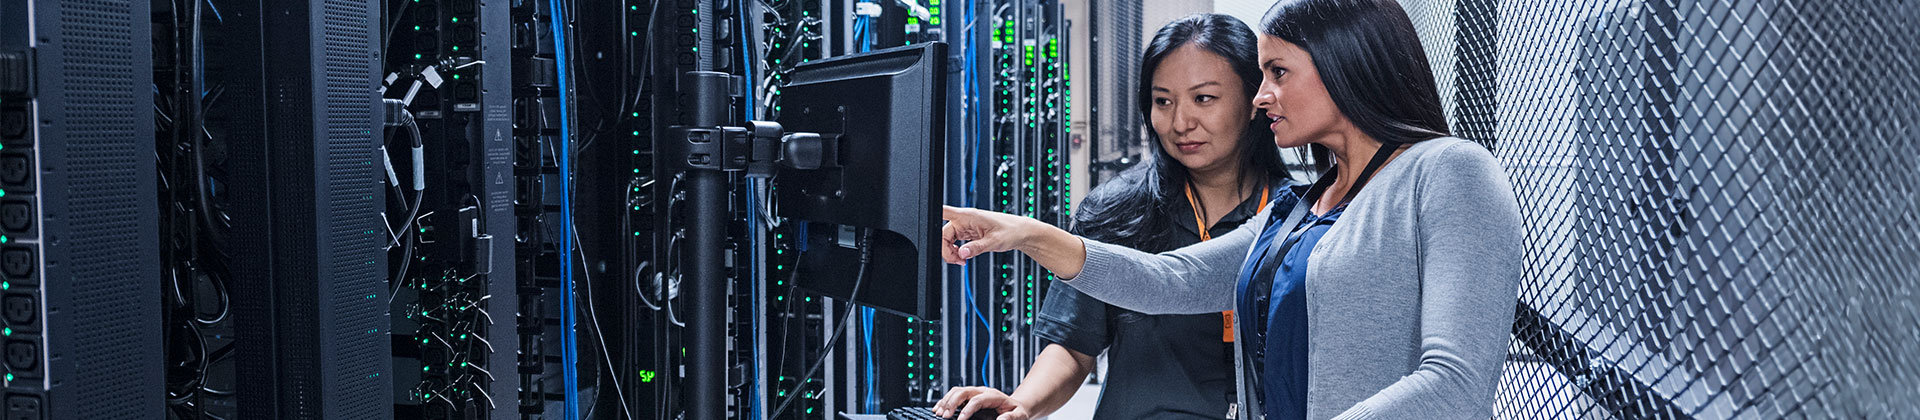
1161 366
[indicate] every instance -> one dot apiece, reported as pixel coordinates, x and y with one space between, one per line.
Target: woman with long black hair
1212 169
1384 290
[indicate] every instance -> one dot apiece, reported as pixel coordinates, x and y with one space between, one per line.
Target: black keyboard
926 413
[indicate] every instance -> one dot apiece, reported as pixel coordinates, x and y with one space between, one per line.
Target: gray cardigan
1410 296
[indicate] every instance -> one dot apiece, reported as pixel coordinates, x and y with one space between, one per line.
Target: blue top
1277 311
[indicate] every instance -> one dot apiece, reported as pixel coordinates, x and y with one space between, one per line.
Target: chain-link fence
1719 195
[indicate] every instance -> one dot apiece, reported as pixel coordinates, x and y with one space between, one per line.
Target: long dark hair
1369 57
1135 209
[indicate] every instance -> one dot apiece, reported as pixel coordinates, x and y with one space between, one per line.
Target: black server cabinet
79 282
454 338
304 188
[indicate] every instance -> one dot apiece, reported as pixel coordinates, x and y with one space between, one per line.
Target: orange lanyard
1226 317
1200 222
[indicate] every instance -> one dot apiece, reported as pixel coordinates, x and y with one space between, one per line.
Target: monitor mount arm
706 149
754 148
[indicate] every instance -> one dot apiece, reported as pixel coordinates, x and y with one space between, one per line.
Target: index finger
951 212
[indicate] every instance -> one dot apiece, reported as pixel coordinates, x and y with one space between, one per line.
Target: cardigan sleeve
1196 279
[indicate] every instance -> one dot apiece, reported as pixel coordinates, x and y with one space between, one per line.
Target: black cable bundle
859 279
192 225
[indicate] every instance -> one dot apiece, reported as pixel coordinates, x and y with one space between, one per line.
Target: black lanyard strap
1274 253
1373 165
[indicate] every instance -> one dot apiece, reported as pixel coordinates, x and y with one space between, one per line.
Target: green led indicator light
456 20
416 27
634 33
9 377
416 56
629 7
456 77
8 331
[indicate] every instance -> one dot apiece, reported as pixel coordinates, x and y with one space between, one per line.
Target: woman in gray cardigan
1385 290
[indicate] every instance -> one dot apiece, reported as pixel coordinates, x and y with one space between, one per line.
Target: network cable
826 352
569 374
754 239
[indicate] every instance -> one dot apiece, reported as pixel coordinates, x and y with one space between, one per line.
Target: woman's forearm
1060 252
1055 377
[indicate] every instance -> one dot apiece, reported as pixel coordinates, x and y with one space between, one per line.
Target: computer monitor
885 179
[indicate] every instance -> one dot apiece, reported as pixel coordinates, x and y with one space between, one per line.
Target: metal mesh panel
1719 198
1116 55
100 329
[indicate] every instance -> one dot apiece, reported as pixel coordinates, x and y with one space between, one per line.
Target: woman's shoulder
1115 205
1454 158
1125 185
1449 149
1454 167
1126 193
